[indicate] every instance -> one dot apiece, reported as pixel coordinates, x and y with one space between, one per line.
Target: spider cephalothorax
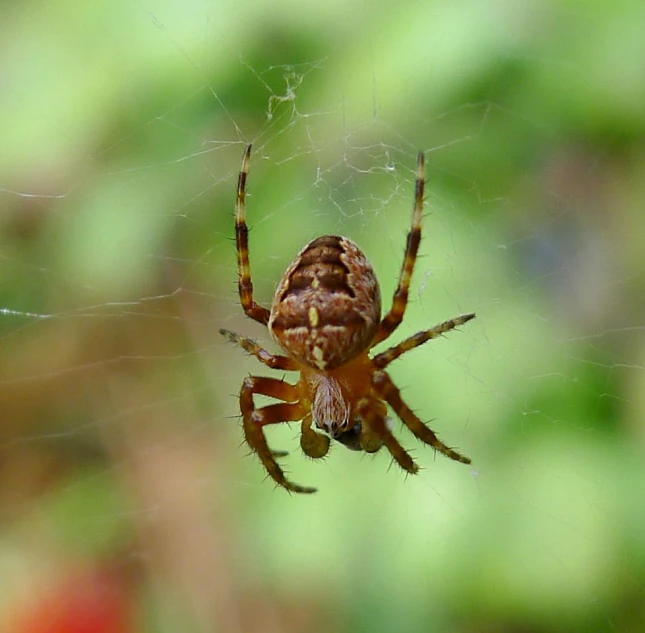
326 316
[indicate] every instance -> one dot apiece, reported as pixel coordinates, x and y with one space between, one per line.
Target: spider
326 316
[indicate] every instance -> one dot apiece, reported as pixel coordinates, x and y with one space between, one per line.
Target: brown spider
326 316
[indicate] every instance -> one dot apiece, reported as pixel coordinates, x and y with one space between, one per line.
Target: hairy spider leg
382 360
255 419
384 386
274 361
373 415
245 286
393 318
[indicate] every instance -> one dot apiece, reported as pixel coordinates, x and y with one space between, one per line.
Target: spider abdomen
327 307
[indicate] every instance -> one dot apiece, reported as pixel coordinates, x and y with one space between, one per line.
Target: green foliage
124 126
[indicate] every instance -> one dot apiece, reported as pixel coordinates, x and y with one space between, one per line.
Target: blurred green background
127 503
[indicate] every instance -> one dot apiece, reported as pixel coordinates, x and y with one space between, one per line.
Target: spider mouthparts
351 438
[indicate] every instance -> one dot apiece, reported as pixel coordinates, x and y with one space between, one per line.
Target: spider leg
255 419
273 361
314 445
245 286
384 386
393 318
383 359
377 433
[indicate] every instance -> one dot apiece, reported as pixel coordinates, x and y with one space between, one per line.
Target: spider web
121 470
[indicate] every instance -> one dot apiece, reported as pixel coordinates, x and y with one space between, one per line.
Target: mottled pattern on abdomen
327 307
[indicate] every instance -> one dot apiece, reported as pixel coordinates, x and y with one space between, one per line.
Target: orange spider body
325 313
326 316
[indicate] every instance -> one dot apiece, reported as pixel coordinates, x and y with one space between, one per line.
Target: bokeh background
127 503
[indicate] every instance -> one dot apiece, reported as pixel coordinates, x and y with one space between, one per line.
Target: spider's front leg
384 386
255 419
375 433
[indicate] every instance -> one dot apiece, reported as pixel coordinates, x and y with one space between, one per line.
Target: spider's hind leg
245 285
393 318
